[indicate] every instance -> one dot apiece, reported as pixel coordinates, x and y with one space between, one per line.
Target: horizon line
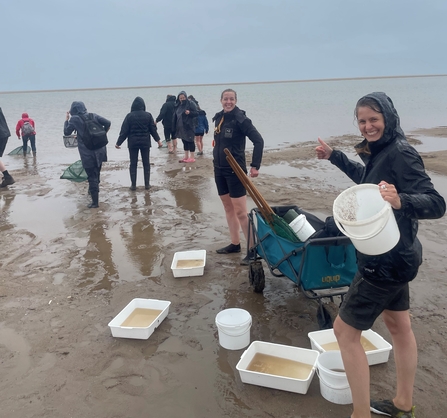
222 84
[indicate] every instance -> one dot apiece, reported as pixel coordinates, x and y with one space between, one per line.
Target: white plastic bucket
362 215
302 228
334 386
234 328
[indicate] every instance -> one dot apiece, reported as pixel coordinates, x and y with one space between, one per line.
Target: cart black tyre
256 276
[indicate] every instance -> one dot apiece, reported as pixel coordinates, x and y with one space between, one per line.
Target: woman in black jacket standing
381 283
231 129
138 127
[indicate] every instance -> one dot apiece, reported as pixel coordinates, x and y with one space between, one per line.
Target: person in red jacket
26 127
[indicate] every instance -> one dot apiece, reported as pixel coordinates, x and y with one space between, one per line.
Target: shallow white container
302 355
188 271
381 355
233 326
141 333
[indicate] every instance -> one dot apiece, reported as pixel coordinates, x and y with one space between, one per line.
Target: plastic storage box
141 333
302 355
188 271
381 355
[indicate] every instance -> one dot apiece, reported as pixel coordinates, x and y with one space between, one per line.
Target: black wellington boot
147 176
133 181
95 198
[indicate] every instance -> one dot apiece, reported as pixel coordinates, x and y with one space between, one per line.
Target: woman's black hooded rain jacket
395 161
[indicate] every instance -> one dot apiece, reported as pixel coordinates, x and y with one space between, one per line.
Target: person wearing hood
5 133
166 115
138 127
183 124
91 159
27 128
381 285
201 128
232 127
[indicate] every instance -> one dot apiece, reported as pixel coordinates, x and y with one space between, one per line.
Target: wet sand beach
67 271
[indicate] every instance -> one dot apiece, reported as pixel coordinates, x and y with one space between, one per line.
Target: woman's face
182 97
371 123
228 101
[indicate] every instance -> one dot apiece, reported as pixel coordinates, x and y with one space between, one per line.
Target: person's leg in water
192 148
7 178
133 156
93 182
199 144
186 149
24 144
146 166
32 140
167 134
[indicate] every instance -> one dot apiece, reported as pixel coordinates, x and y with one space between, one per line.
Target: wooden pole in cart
260 202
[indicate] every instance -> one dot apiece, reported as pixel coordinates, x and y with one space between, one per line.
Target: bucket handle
329 385
372 235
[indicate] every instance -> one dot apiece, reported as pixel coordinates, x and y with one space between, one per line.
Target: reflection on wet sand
98 267
142 244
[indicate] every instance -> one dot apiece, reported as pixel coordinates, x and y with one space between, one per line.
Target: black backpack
94 136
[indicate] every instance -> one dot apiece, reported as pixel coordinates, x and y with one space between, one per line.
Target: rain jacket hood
138 104
392 122
177 101
78 108
25 116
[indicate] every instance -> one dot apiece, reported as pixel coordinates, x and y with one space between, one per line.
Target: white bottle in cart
300 225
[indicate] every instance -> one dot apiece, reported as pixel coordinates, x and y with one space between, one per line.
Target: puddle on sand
41 215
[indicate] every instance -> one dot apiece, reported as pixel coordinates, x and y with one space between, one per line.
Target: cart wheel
256 276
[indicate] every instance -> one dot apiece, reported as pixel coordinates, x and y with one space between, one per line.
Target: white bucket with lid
302 228
362 215
234 326
334 386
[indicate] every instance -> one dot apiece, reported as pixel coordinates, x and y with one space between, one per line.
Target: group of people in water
381 285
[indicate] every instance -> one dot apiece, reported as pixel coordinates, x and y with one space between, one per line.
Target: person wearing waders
91 159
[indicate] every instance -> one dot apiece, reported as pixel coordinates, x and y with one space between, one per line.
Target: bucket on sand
234 328
362 215
334 386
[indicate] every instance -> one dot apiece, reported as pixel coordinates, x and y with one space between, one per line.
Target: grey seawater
284 113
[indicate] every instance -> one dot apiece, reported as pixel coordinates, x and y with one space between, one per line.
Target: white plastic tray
188 271
302 355
141 333
381 355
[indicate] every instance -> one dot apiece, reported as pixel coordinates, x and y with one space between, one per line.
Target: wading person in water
231 129
91 159
185 115
381 283
138 127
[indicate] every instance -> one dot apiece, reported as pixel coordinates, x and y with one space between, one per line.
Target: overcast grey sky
54 44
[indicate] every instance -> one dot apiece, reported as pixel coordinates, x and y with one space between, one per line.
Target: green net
19 150
281 228
75 172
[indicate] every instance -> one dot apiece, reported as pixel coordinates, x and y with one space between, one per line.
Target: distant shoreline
222 84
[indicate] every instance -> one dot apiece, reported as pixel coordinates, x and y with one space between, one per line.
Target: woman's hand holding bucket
389 194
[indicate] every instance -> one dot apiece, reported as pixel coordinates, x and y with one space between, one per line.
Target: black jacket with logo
394 160
232 135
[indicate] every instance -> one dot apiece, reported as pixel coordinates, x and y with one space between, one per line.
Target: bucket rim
245 321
